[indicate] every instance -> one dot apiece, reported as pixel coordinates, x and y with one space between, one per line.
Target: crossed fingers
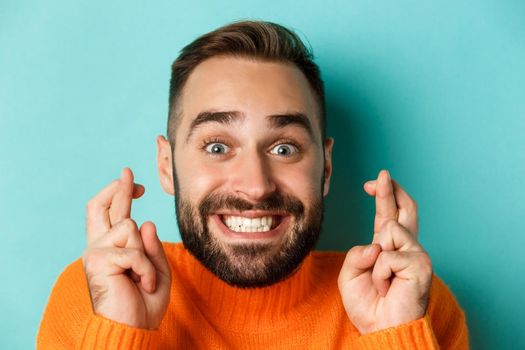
392 203
395 232
111 205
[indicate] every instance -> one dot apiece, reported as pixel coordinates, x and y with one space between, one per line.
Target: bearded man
249 163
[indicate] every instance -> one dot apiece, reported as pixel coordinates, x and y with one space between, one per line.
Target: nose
251 177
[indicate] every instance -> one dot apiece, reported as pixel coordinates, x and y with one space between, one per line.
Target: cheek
198 179
303 180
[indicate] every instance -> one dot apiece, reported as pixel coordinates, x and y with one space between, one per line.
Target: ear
328 145
165 165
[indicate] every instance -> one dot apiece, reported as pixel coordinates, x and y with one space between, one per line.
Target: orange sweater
304 311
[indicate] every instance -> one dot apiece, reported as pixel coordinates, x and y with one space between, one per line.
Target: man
249 163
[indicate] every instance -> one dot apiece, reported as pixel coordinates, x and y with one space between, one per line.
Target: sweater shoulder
70 284
67 309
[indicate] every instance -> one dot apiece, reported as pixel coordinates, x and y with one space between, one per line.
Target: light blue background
431 90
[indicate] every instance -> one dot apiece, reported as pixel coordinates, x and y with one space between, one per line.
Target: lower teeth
250 229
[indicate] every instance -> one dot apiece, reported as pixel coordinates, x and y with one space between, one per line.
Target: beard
255 264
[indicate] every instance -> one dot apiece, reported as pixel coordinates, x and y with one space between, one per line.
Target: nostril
253 188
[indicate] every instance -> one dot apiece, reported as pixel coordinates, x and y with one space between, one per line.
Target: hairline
177 112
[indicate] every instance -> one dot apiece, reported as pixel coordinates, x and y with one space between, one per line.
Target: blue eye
217 148
284 149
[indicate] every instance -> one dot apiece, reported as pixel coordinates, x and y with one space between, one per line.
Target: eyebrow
222 117
295 118
277 121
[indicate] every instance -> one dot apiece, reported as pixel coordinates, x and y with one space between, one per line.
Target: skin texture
249 168
126 269
386 283
384 288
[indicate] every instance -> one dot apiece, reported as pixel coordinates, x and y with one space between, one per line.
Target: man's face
249 172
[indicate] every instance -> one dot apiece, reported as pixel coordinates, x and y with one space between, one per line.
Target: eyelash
208 141
288 142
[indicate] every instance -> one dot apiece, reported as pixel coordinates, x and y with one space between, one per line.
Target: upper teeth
242 224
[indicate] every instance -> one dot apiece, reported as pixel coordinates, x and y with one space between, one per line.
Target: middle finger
386 207
121 203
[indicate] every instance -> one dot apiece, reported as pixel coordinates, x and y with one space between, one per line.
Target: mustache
274 202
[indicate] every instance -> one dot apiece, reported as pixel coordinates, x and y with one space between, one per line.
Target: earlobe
165 165
328 145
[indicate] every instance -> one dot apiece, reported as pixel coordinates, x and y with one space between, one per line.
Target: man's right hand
127 272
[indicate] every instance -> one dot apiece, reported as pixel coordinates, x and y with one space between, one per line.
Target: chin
250 246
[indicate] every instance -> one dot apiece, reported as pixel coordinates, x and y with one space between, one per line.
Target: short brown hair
253 39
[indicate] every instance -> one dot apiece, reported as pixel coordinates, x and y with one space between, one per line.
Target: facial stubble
255 264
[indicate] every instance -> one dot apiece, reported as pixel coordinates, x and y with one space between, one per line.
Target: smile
246 224
251 224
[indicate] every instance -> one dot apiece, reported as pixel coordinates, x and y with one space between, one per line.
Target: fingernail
368 250
387 174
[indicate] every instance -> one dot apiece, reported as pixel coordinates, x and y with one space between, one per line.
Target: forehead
254 87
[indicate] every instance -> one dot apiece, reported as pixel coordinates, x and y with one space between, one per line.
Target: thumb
153 247
358 260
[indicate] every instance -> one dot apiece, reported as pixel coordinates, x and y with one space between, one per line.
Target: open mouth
254 224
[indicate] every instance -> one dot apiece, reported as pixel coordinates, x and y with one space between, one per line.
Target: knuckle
391 223
129 224
353 251
122 254
135 254
381 258
425 259
91 258
425 264
375 274
384 239
114 182
150 268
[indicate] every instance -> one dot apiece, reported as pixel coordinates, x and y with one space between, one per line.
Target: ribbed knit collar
252 309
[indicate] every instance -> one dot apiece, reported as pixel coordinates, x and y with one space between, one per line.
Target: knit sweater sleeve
443 326
70 323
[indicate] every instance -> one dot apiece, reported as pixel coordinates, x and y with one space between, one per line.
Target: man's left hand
387 283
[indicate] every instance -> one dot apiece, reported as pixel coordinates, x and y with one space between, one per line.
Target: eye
284 149
217 148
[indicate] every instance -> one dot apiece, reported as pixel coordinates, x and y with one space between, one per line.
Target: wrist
411 335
